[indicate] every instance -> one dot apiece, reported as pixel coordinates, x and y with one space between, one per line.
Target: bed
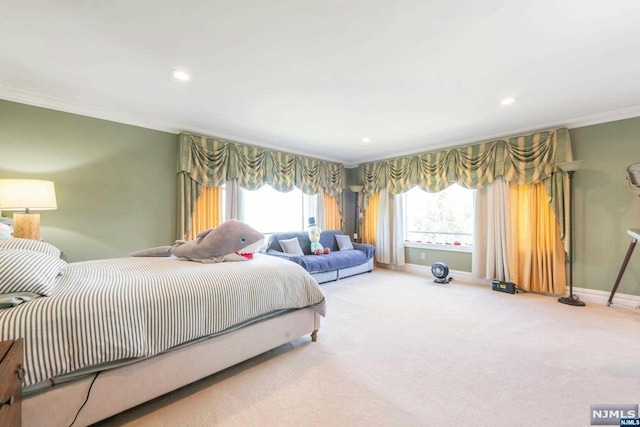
124 331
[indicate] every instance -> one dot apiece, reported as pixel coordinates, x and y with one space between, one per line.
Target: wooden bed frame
123 388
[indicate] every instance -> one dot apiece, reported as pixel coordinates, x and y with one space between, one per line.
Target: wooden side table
11 376
635 236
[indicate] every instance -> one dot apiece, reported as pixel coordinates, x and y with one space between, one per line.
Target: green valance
522 159
211 162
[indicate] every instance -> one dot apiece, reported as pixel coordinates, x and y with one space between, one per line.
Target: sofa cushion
344 242
291 246
333 261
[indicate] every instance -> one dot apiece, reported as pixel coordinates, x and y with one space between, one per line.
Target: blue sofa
324 268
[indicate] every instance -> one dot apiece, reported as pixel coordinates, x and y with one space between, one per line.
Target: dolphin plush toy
230 241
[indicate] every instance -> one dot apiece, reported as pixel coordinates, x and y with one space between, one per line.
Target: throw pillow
291 246
30 245
28 271
344 242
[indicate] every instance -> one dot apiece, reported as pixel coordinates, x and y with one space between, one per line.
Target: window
445 217
270 211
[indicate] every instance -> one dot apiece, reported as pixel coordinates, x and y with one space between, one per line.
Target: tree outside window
445 217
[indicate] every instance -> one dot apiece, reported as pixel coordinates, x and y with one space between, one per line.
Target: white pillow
291 246
30 245
344 242
28 271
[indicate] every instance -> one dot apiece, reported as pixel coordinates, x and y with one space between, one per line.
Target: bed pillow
28 271
291 246
30 245
344 242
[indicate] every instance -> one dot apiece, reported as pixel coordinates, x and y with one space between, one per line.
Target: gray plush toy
230 241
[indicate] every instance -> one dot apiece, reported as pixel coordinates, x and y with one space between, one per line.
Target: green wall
604 206
460 261
604 209
115 184
116 189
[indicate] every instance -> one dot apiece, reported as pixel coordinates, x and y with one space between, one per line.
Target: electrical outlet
423 255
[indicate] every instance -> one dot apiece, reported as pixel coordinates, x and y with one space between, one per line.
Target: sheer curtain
390 233
490 258
233 203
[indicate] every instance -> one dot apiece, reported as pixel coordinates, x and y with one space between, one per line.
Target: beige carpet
398 350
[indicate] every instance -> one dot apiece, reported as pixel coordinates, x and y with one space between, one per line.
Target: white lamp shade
571 166
356 188
32 194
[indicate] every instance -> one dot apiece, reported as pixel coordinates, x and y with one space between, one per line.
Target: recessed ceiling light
366 140
508 101
181 75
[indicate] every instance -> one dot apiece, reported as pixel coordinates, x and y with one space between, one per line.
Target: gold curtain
332 218
537 252
370 221
207 213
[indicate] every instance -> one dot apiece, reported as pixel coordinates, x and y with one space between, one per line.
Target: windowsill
439 246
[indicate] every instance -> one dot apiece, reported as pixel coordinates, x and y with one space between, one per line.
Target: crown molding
88 110
578 122
59 104
81 109
604 117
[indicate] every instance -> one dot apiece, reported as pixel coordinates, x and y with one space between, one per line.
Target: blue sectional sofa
324 268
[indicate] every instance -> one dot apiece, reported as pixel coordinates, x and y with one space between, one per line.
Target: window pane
443 217
270 211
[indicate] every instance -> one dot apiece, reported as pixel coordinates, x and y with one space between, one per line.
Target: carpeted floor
398 350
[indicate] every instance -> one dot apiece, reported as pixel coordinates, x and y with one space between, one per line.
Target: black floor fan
440 271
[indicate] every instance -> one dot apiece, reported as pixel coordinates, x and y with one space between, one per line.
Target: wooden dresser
11 376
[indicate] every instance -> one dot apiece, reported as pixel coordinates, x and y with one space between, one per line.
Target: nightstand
11 376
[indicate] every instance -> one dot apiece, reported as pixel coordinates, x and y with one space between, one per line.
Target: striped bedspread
126 308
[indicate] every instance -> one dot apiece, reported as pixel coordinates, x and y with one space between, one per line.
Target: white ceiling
315 77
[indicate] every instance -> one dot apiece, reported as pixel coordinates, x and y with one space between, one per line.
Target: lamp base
26 226
571 301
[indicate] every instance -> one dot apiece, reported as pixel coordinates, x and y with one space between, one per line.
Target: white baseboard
462 276
601 297
593 296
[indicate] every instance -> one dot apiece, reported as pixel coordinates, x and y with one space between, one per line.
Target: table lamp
27 195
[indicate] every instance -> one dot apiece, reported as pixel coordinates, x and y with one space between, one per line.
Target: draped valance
522 159
211 162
